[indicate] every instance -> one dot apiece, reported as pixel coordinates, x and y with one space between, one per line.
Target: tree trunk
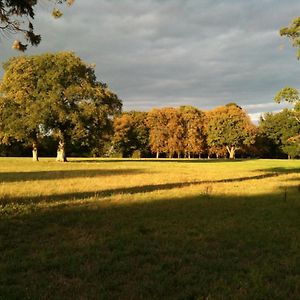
178 154
34 152
189 155
61 152
157 154
199 155
231 152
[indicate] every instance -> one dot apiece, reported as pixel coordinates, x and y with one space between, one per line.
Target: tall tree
291 94
175 131
157 122
229 126
17 17
20 108
57 94
194 136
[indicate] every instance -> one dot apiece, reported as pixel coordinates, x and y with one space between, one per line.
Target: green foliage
230 127
280 128
55 94
293 33
292 149
288 94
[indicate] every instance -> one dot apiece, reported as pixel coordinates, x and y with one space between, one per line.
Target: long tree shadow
221 247
282 170
63 174
125 190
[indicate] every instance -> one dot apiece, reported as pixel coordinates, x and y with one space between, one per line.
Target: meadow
149 229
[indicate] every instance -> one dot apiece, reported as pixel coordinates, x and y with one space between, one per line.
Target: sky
158 53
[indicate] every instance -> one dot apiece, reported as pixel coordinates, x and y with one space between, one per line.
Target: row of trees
189 132
56 98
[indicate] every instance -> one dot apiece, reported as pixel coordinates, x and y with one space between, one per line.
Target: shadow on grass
186 248
282 170
125 190
62 174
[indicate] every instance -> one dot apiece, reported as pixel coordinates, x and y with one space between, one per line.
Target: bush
136 154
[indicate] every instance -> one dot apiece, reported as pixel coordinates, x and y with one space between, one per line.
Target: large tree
230 127
17 17
20 108
56 94
291 94
280 128
194 136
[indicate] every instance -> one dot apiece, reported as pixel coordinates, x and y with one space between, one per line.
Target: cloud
156 53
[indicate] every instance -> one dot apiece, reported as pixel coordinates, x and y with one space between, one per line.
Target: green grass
147 229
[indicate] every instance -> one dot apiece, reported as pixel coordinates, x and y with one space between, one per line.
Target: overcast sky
156 53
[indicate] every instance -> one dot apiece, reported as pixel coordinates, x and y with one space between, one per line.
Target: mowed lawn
148 229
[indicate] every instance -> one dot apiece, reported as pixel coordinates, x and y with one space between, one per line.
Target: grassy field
169 229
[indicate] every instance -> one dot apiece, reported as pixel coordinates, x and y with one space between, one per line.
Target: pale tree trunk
231 152
61 152
157 154
178 154
189 155
34 152
199 155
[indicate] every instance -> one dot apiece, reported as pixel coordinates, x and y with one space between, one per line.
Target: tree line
187 132
55 104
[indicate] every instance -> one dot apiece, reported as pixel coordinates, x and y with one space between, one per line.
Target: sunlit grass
149 229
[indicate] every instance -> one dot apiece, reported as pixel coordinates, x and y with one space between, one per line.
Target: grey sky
156 53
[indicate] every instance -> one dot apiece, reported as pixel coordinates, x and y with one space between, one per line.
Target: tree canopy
55 94
230 127
280 129
18 16
293 32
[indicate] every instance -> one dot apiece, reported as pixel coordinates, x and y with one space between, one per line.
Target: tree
131 133
157 122
231 127
175 131
291 94
281 128
20 109
293 33
56 94
17 17
194 137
